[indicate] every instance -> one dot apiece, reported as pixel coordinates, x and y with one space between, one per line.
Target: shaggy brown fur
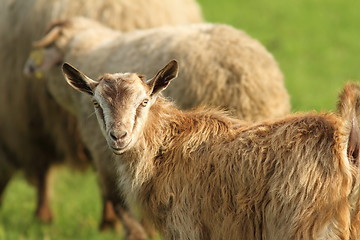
349 108
35 132
202 175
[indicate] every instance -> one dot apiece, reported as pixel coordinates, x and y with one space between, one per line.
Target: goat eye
96 104
144 102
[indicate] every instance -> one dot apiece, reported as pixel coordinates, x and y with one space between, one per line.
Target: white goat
224 66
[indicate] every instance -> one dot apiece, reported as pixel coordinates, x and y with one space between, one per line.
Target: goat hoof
108 225
44 216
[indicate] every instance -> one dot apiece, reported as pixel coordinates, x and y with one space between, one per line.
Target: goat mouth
120 150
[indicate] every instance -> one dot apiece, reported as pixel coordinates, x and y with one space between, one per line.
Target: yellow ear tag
37 57
39 75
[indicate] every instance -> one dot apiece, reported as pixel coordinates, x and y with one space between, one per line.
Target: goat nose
31 69
117 135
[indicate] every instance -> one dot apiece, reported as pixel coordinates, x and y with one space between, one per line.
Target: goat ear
163 77
48 39
54 30
78 80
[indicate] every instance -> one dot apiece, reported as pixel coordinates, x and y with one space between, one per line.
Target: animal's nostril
122 134
31 69
113 136
117 135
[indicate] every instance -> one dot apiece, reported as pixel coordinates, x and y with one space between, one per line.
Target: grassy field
317 44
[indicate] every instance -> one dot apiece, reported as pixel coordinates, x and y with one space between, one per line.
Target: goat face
45 53
122 101
41 60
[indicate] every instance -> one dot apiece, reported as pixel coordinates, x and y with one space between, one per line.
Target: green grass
317 44
75 202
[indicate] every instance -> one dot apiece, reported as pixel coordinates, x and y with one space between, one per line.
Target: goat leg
43 211
134 230
109 219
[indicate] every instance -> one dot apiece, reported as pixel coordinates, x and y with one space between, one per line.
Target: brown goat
202 175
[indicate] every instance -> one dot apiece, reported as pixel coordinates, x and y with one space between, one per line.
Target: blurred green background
317 44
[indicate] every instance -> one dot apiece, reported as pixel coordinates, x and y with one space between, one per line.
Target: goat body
200 174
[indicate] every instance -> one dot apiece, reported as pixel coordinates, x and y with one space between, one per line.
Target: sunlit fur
202 175
349 108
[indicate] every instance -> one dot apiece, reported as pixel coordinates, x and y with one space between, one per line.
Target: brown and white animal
35 132
200 174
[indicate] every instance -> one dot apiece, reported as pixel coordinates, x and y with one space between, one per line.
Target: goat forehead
115 88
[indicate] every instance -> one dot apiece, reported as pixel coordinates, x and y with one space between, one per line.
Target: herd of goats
185 120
